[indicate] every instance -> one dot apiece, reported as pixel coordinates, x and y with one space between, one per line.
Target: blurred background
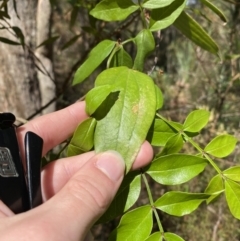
42 43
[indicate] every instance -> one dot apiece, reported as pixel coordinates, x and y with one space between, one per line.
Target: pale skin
76 190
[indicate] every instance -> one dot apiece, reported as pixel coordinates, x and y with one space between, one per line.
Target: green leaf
215 188
19 34
95 97
192 30
173 145
70 42
163 17
109 10
159 98
232 192
125 127
145 45
82 140
134 226
8 41
233 173
215 9
121 58
48 41
153 4
196 120
221 146
125 198
176 168
172 237
95 58
155 237
160 133
180 203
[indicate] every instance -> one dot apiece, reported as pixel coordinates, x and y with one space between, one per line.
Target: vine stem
152 203
194 144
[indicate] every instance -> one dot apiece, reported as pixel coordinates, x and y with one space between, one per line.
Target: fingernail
111 164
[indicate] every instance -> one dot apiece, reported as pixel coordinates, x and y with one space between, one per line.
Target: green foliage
123 107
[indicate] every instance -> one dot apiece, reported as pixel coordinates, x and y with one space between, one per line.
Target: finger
54 128
5 211
56 174
71 212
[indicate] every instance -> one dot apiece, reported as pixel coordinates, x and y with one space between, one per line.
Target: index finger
55 127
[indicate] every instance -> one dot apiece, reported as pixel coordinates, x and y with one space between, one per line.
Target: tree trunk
20 87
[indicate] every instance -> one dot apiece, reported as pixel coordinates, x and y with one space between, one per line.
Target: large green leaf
95 58
173 145
180 203
125 126
126 196
233 173
232 192
158 236
215 187
196 120
192 30
163 17
215 9
135 225
176 168
82 140
153 4
145 45
111 10
160 133
221 146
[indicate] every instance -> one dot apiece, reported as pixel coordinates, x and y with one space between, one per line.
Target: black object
19 191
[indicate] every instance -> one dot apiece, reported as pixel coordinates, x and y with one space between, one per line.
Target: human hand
76 190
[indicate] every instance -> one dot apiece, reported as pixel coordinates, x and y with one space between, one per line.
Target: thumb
85 196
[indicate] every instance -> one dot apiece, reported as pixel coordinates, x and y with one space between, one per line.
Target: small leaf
221 146
163 17
159 97
121 58
232 192
180 203
176 168
109 10
160 133
70 42
125 126
215 188
192 30
19 34
215 9
95 58
48 41
135 225
8 41
82 139
173 145
95 97
233 173
125 198
153 4
145 45
196 120
155 237
172 237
